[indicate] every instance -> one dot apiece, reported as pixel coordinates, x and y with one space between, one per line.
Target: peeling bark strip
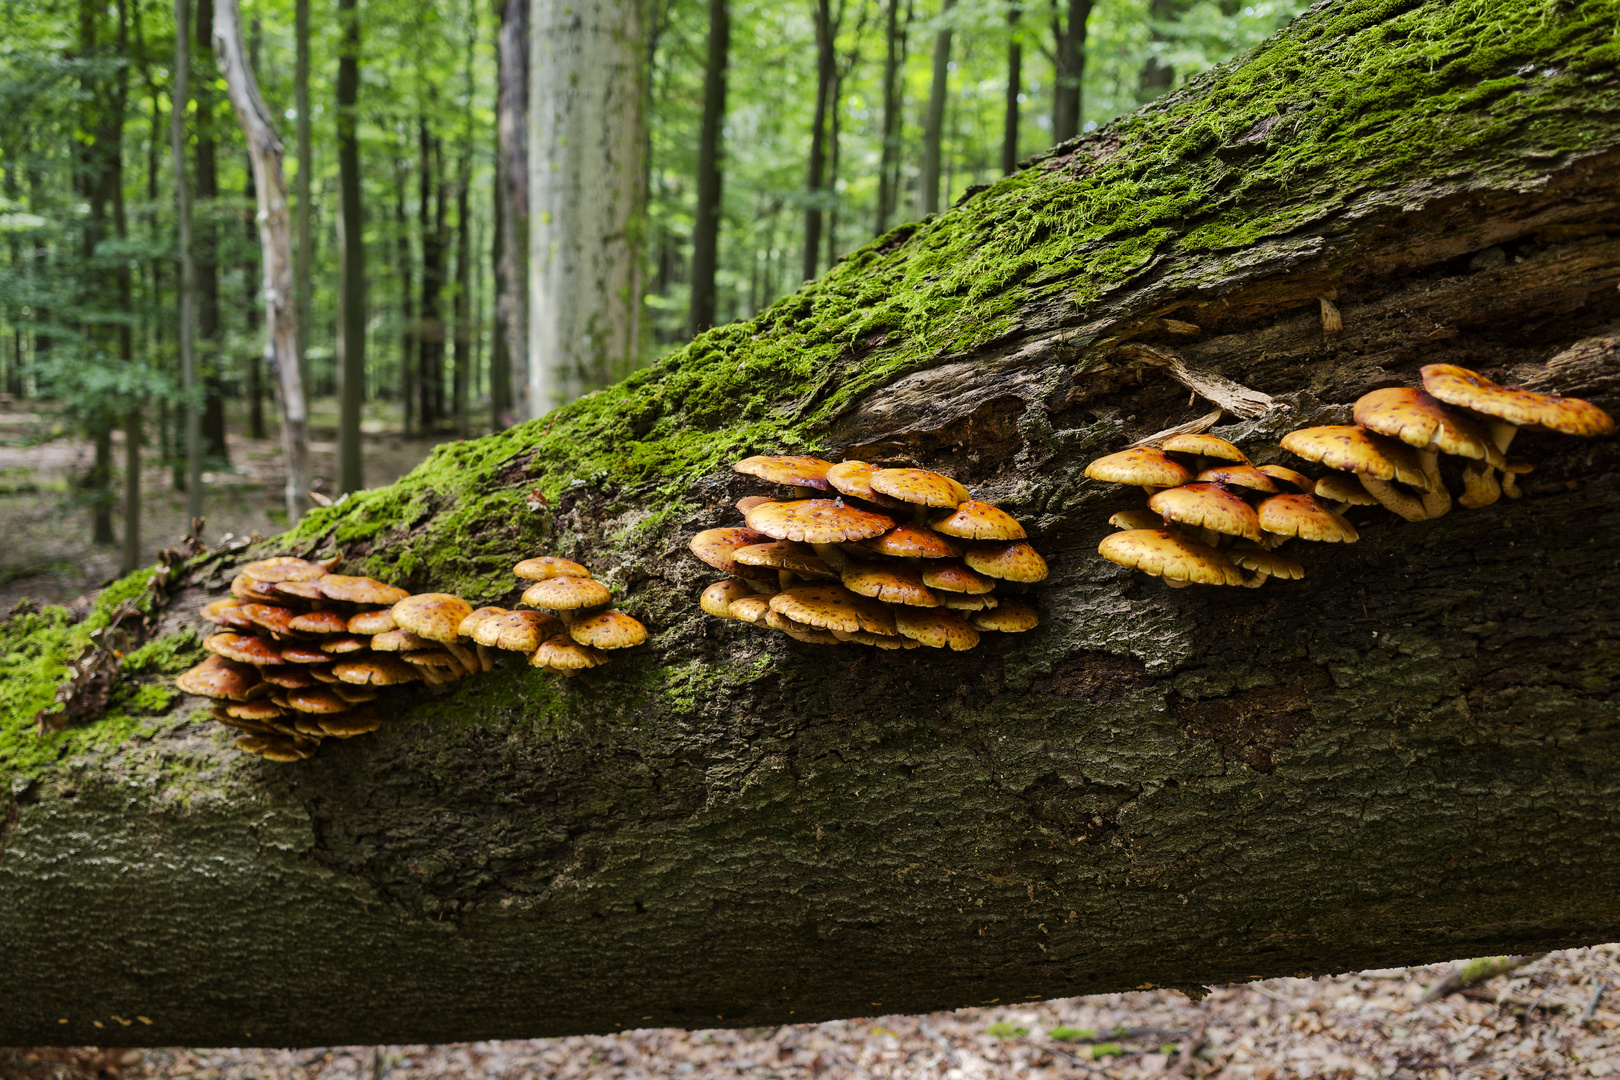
1411 755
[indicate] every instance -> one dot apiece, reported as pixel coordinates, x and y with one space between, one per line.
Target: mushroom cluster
1215 519
302 654
896 559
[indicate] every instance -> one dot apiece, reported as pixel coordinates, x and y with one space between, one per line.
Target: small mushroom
954 576
1303 517
799 631
717 598
919 487
562 653
833 607
1171 555
854 478
1207 506
360 590
892 583
245 649
1011 617
807 473
976 520
220 677
227 612
1264 564
608 630
375 671
1239 476
911 541
542 567
325 621
936 628
367 623
718 547
1136 519
566 594
1145 466
1375 459
1014 561
1284 475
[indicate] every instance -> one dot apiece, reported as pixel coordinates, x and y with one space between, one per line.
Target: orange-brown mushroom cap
937 628
1419 420
1014 561
608 630
976 520
919 487
1204 445
516 631
1146 466
277 620
817 521
716 599
566 594
360 590
367 623
301 590
718 547
807 472
1522 408
799 631
357 721
833 607
288 676
298 652
854 478
258 592
338 646
954 576
784 555
914 542
325 621
1355 449
375 671
399 640
219 677
244 648
1009 617
1303 516
562 653
1241 476
892 583
1282 473
315 699
542 567
227 612
282 568
1208 506
435 616
1171 555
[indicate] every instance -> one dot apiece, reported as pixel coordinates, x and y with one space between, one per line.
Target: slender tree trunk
209 344
461 362
351 225
587 195
1157 76
706 226
826 66
188 266
125 291
430 219
250 290
1069 38
934 121
275 239
501 414
306 169
409 339
91 174
1015 64
509 379
894 60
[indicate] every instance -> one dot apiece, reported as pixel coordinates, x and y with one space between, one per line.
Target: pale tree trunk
1015 70
586 117
264 149
1409 755
306 168
1069 63
188 265
706 222
512 215
934 119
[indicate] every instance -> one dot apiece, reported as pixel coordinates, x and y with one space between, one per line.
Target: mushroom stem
486 659
1502 433
1395 500
832 555
1510 478
1437 500
464 658
1254 580
1480 488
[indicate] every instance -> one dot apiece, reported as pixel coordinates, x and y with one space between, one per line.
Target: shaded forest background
841 119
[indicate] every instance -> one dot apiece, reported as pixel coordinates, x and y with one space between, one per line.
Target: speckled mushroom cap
277 620
282 568
748 502
301 590
399 639
1143 465
219 677
1241 476
1171 555
1283 474
1355 449
1010 617
1204 445
910 541
257 592
609 630
243 648
366 623
817 521
476 616
299 652
1304 517
337 646
833 607
919 487
566 594
357 721
542 567
1208 506
227 612
1269 563
325 621
807 472
1337 487
288 676
1136 519
718 547
968 601
799 631
854 478
360 590
716 599
1014 561
1408 414
890 582
953 575
784 555
435 616
562 653
1523 408
937 628
976 520
749 609
315 699
375 671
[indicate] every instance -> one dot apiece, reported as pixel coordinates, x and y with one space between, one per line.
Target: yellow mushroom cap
1523 408
367 623
817 521
1009 617
542 567
227 612
609 630
1243 476
1408 414
1144 465
516 631
476 616
1357 450
718 547
919 486
784 555
937 628
749 609
1209 506
807 472
399 640
976 520
799 631
435 616
243 648
566 594
375 671
1014 561
1269 563
1204 445
562 653
833 607
854 478
360 590
1171 555
716 599
282 568
218 677
1337 487
914 542
1136 519
892 583
953 575
1304 517
1297 480
253 710
881 641
748 502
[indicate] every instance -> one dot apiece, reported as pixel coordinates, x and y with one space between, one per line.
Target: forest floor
1558 1017
48 554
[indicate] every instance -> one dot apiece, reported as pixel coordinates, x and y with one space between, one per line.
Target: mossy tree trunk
1408 756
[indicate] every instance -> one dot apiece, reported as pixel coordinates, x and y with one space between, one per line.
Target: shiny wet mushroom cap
258 592
367 623
854 478
718 547
817 521
919 487
282 568
360 590
1014 561
1208 506
892 583
1306 518
976 520
784 555
1171 555
244 648
804 472
953 575
357 721
1513 406
325 621
566 594
219 677
270 617
301 590
298 652
1239 476
542 567
227 612
608 630
915 542
1144 466
316 699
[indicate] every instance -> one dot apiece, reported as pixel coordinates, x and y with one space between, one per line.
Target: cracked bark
1408 756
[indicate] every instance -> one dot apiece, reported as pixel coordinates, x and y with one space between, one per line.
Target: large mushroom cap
516 631
937 628
1408 414
1304 517
360 590
244 648
1204 445
218 677
1015 561
920 487
893 583
914 542
833 607
435 616
718 547
1142 465
1357 450
282 568
1522 408
562 653
609 630
817 521
1208 506
854 478
542 567
566 594
976 520
807 472
1171 555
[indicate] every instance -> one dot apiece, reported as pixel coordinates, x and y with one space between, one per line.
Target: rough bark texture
1408 756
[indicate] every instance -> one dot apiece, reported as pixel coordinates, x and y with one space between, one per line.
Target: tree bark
706 224
1408 756
586 190
894 60
211 358
1069 40
1015 71
510 386
187 285
275 241
430 333
934 119
306 170
352 283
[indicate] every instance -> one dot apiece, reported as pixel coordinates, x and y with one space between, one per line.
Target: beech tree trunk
1410 755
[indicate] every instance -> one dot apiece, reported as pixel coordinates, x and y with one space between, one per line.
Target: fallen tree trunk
1408 756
